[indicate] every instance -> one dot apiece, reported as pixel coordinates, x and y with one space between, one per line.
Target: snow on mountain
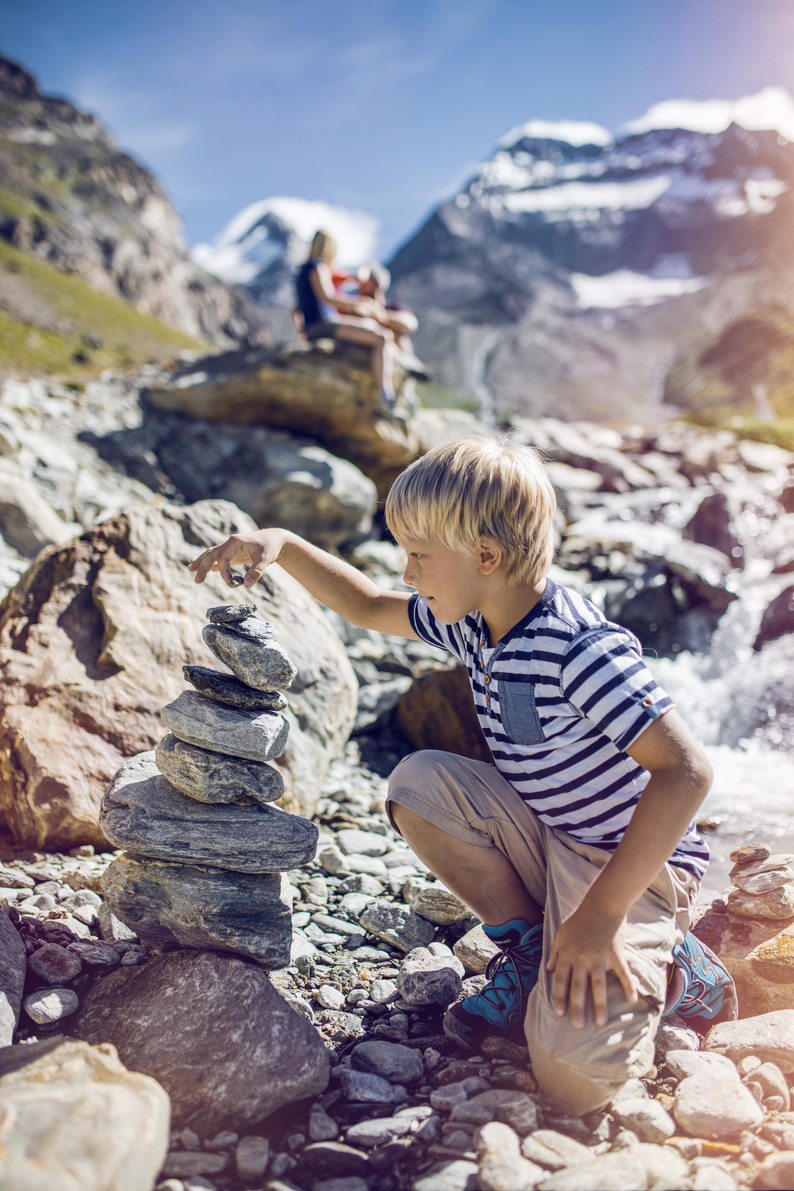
574 132
771 110
280 229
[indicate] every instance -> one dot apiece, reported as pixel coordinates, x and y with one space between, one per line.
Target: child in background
577 847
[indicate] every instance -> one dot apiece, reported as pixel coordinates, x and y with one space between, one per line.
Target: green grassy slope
55 325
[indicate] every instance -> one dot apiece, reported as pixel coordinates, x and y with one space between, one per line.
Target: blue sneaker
701 989
500 1005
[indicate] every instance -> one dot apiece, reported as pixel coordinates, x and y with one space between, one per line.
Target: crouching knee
579 1071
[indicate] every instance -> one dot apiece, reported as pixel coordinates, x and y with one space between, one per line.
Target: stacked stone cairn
205 851
763 884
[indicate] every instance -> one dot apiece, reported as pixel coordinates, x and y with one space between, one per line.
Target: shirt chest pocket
519 714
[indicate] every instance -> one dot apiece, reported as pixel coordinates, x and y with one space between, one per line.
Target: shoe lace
506 971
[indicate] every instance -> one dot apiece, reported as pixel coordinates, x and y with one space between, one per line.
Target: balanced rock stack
204 849
763 884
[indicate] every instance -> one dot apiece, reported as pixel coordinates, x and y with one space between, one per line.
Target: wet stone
209 776
227 689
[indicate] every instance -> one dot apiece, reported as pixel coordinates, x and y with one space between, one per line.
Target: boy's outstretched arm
590 942
330 580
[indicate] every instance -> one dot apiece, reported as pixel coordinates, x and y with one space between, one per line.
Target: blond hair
472 488
324 246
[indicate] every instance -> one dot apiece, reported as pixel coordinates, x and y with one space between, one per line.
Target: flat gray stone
438 905
355 842
225 688
144 814
208 776
13 965
256 735
519 1110
390 1060
229 613
206 908
365 1087
699 1062
711 1106
253 628
378 1131
396 924
213 1031
262 664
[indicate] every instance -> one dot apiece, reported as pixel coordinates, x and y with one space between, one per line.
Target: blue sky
381 105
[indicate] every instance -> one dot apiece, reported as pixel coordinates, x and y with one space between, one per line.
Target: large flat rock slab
213 1031
144 814
205 908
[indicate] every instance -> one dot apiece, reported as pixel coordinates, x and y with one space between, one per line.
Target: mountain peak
770 110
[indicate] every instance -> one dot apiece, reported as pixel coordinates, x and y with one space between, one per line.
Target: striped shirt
560 699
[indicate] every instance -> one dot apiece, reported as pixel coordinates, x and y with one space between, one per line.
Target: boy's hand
587 946
258 550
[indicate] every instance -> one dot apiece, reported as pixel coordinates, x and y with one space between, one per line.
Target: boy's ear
491 555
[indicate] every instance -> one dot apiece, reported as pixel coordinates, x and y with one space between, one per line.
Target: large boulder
437 712
323 390
758 954
213 1031
74 1119
92 644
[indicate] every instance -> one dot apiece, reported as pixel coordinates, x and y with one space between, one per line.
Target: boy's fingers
578 996
559 988
599 984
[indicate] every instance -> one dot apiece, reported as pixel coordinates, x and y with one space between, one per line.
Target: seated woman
328 314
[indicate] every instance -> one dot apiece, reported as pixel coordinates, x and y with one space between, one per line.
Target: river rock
758 954
213 1031
205 908
54 965
263 665
428 979
13 964
209 776
49 1005
475 950
144 814
27 522
501 1166
683 1063
769 1036
329 395
92 641
75 1119
764 873
517 1109
647 1118
709 1106
396 924
252 627
255 735
438 905
437 712
390 1060
777 1172
554 1150
227 689
229 614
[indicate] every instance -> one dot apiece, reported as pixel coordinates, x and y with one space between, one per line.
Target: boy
576 849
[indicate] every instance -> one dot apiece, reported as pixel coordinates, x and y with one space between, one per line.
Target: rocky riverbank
379 950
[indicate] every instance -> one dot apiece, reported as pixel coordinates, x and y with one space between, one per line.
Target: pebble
647 1118
378 1131
251 1157
711 1106
365 1087
554 1150
361 843
55 965
392 1061
330 997
50 1005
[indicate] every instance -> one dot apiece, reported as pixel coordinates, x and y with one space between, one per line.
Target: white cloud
770 109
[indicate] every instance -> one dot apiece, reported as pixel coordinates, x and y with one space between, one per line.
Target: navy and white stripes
560 699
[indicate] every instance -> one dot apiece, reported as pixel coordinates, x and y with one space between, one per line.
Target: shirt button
487 678
487 697
647 702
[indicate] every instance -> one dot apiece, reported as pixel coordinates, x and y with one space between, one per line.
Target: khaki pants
577 1070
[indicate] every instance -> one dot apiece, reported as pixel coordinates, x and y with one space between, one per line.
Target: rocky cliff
70 197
